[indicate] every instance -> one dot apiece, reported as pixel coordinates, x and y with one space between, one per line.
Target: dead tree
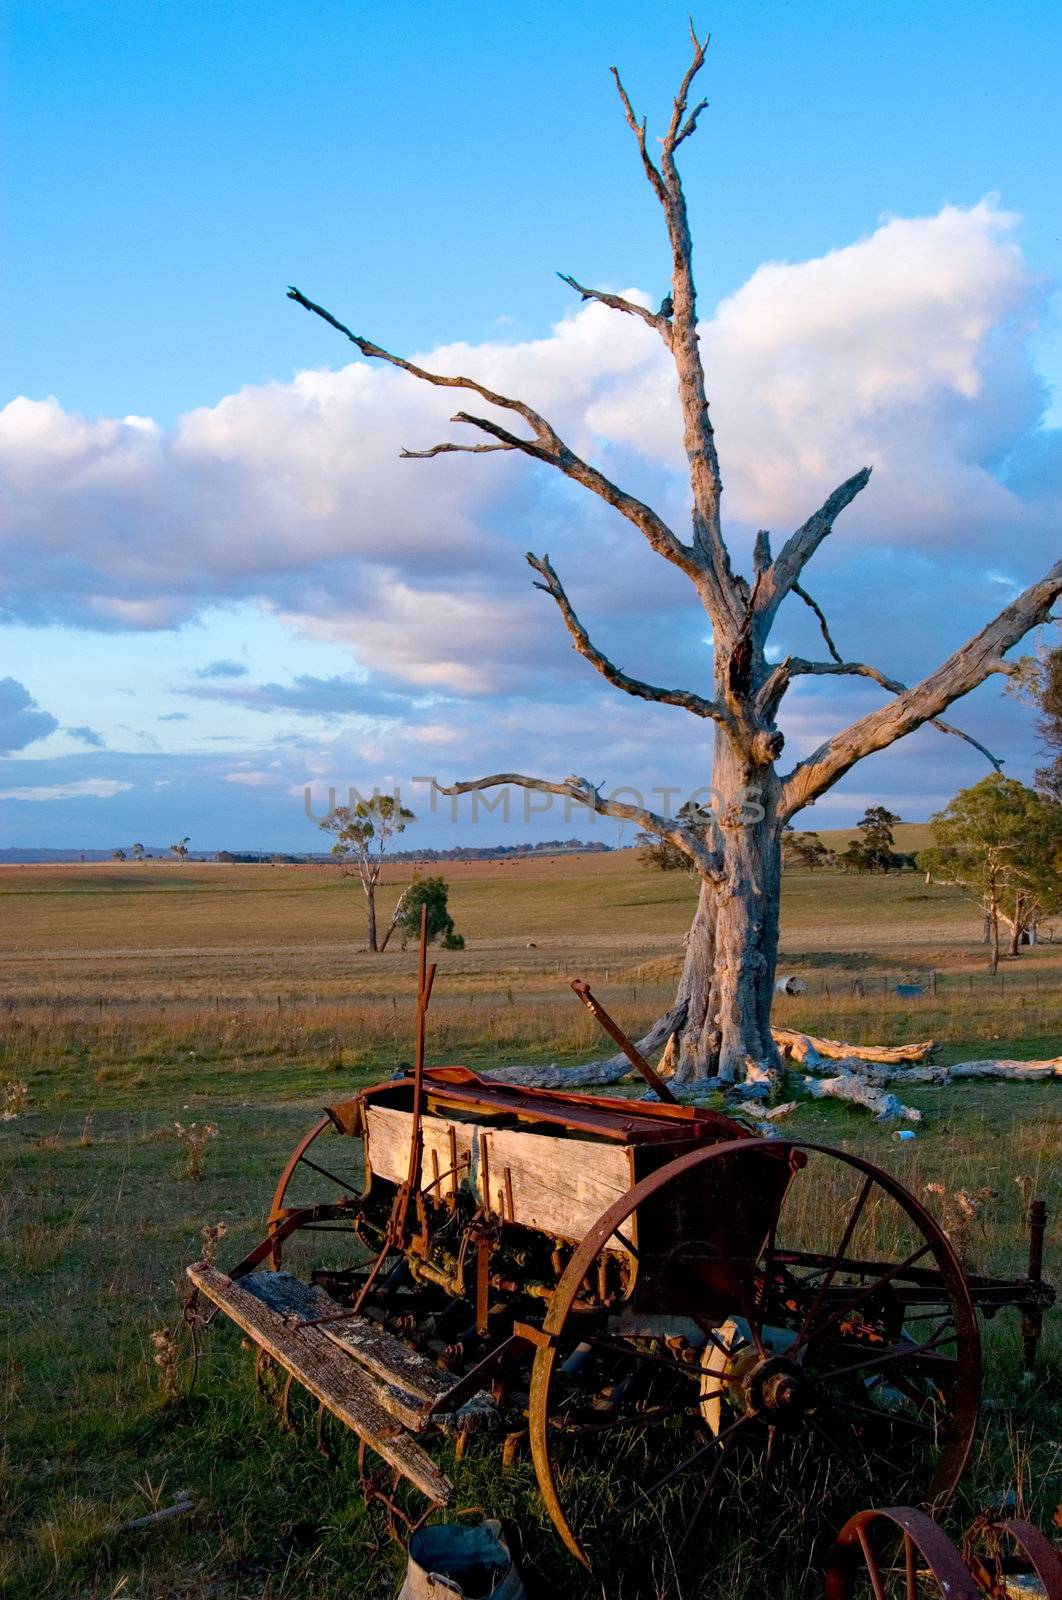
729 968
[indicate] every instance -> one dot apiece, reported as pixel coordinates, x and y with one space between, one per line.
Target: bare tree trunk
370 901
732 946
993 962
395 915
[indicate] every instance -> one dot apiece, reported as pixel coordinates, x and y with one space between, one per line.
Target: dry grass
138 997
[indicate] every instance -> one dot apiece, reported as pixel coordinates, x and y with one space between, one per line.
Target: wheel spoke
647 1419
869 1290
681 1368
333 1177
909 1566
900 1353
872 1567
859 1468
702 1500
832 1270
645 1494
890 1417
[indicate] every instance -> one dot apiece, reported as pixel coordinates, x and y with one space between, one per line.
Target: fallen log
800 1046
594 1073
858 1091
963 1071
1016 1071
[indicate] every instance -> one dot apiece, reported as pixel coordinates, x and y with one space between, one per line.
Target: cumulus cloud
907 350
21 718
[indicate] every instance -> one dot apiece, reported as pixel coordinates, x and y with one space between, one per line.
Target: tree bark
732 946
370 901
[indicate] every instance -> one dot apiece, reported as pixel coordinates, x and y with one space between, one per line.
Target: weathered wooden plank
419 1382
446 1143
330 1375
555 1184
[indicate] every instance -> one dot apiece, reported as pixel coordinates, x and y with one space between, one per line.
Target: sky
220 585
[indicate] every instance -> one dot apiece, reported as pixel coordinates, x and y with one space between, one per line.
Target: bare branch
724 597
690 124
801 546
652 319
547 446
677 129
708 861
447 449
796 666
684 698
970 665
374 351
802 594
638 129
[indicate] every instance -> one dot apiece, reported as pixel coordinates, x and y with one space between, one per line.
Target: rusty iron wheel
819 1342
998 1549
318 1174
896 1553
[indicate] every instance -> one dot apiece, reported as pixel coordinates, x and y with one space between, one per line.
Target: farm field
133 997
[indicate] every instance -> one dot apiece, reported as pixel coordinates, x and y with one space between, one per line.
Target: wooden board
387 1137
328 1372
555 1185
409 1382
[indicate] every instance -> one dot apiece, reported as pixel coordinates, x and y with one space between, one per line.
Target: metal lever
631 1051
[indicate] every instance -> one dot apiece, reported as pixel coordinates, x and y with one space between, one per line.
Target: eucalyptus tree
363 832
729 966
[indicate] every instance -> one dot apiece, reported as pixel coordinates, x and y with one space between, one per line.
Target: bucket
789 983
451 1562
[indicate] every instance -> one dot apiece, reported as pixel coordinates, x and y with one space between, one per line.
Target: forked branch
597 658
970 665
796 666
708 861
784 572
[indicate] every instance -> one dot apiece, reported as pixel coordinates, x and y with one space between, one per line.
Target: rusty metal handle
630 1050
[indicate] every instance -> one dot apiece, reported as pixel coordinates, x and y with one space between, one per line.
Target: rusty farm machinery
663 1305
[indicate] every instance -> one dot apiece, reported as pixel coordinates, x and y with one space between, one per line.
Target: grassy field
136 996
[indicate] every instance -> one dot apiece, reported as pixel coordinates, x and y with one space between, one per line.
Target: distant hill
28 856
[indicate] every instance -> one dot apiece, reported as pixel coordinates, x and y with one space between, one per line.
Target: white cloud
252 780
87 788
907 349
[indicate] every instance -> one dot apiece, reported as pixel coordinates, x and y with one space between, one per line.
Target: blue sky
425 170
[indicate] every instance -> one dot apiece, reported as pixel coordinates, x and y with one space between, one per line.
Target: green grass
143 996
